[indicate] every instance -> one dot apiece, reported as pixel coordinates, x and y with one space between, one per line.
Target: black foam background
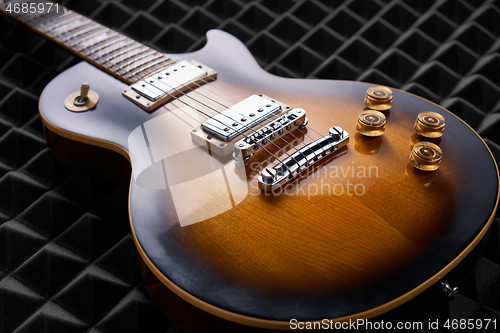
66 254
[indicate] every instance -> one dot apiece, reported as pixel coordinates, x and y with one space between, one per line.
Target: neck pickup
168 84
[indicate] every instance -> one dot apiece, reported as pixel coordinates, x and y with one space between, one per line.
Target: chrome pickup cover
265 136
158 89
290 168
240 117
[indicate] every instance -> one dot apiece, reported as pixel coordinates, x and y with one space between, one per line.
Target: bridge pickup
169 83
265 136
240 117
274 177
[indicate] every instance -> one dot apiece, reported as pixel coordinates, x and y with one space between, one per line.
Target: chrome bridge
274 177
265 136
173 81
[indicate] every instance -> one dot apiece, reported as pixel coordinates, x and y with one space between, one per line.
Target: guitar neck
103 47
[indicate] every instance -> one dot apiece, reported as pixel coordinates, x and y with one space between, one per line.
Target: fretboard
103 47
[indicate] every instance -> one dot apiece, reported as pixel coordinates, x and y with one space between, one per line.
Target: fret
77 31
58 21
46 18
136 64
96 39
99 32
145 66
101 45
110 47
132 60
148 71
126 55
106 54
119 51
67 27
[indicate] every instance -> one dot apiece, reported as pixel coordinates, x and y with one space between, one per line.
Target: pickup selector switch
82 100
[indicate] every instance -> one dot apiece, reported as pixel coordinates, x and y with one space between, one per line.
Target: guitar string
239 132
290 132
195 91
298 129
226 84
200 111
281 137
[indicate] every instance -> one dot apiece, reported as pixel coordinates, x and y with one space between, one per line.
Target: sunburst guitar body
294 216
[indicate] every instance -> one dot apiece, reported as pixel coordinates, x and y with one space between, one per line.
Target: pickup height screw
209 137
241 145
194 131
221 145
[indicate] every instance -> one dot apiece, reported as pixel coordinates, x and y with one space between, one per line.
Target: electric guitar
258 202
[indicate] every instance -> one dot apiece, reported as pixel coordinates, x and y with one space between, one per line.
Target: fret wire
93 41
57 21
46 18
136 65
85 37
110 42
84 29
138 56
126 56
70 26
78 18
118 45
148 65
119 51
150 71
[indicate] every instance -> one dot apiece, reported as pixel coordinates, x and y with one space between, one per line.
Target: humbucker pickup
240 117
169 83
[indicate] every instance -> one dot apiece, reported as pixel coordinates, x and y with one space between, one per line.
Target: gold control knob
82 100
379 98
426 156
430 124
371 123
